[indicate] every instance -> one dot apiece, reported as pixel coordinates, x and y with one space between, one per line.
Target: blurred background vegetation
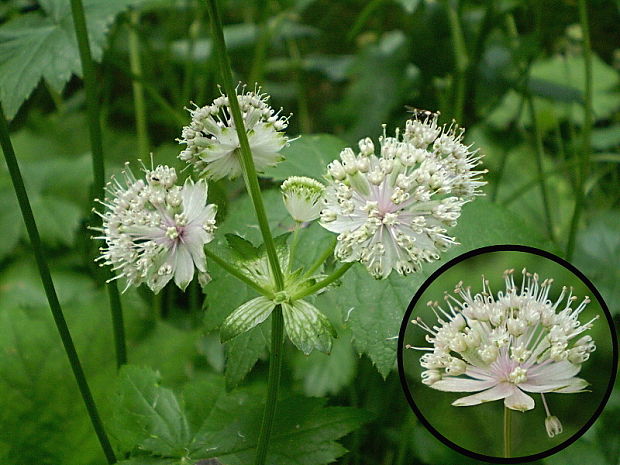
511 71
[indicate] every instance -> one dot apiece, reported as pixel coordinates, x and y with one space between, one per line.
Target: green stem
135 63
460 60
294 242
323 283
50 291
539 165
587 130
362 18
305 122
237 274
94 127
273 382
324 256
260 50
247 161
507 432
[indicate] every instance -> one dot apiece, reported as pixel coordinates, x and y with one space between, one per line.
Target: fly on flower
507 346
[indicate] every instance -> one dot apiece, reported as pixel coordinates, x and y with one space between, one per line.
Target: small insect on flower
502 347
155 230
393 211
303 197
213 147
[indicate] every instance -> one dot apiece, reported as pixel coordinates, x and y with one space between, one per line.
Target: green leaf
246 317
11 223
35 46
307 327
243 352
148 415
408 5
307 156
243 248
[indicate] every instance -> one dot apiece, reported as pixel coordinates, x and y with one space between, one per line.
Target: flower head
502 347
212 142
155 230
393 211
302 197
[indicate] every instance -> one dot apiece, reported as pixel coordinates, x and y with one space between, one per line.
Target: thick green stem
237 274
324 256
323 283
539 166
507 433
94 127
135 63
50 291
273 383
587 131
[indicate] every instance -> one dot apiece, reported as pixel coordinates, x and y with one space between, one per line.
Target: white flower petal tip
155 230
508 344
303 198
553 426
212 141
392 211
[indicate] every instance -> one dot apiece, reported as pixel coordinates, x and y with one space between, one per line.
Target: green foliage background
343 68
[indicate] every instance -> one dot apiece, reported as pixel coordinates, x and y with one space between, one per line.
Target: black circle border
506 248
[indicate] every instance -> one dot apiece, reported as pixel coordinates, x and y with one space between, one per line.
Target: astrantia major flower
155 230
213 145
303 197
504 346
393 211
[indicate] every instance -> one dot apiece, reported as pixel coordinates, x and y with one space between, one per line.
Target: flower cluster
303 198
212 141
154 229
502 347
393 211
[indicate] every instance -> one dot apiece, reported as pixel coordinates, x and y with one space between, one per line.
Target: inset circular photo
507 354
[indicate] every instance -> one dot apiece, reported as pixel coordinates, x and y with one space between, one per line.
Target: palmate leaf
223 426
43 45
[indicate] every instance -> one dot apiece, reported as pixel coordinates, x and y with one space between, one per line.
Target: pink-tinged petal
541 374
194 240
519 401
184 267
478 373
454 384
497 392
563 385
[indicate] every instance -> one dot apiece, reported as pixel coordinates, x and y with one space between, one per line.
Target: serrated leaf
307 328
242 247
243 352
246 317
148 415
35 46
307 156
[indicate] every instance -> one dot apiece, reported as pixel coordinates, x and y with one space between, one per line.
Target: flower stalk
50 291
507 432
94 128
135 62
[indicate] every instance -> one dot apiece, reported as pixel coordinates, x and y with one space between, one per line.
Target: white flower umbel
155 230
501 347
213 145
303 198
393 211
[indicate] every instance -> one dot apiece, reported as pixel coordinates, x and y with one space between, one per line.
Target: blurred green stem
94 126
323 283
324 256
539 165
50 291
460 61
587 130
305 122
507 432
194 30
253 188
135 63
260 49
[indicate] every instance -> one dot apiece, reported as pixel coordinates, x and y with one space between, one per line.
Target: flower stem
324 256
94 127
507 432
273 382
237 274
50 291
251 181
587 129
260 49
323 283
461 62
294 242
135 63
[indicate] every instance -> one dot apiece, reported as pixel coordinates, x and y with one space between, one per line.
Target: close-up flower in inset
507 346
303 198
393 211
213 147
155 230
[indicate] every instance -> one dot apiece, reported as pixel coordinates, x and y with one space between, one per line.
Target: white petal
454 384
500 391
565 386
552 372
184 267
519 401
194 197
